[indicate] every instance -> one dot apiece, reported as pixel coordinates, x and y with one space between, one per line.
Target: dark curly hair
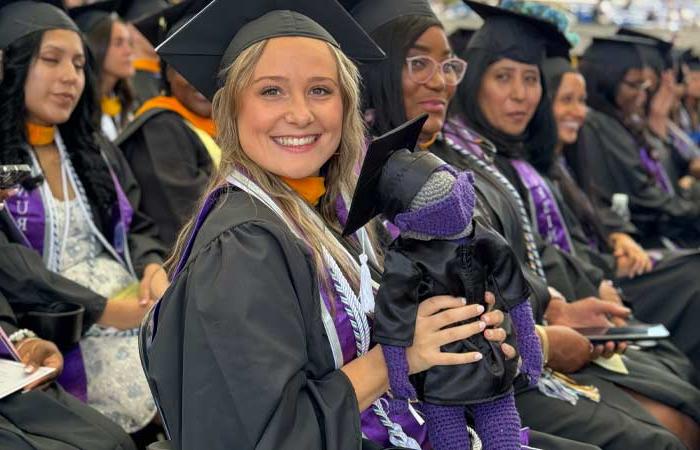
79 133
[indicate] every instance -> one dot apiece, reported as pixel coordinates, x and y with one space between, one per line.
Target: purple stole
550 221
654 167
27 211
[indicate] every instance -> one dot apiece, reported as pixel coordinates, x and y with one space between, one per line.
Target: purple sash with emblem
655 169
28 214
550 222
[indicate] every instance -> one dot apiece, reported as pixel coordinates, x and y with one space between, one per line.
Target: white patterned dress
117 386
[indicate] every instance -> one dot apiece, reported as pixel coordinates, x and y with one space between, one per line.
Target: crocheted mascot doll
443 250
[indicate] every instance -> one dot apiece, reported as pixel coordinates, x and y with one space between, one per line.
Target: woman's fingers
495 335
493 318
490 300
435 304
453 359
454 315
453 334
509 351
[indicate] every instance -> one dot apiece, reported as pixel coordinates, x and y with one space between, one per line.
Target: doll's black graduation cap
391 175
88 16
373 14
213 39
518 36
21 18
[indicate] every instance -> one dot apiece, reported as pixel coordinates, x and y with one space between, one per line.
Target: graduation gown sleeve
144 246
173 167
8 322
240 357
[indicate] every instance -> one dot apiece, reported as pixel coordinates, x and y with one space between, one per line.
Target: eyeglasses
638 85
422 68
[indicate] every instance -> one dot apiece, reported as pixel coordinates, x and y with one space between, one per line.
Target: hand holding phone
13 175
637 332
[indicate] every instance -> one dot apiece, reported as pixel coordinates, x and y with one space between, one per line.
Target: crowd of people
186 252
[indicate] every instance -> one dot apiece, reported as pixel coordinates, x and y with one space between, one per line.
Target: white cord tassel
366 293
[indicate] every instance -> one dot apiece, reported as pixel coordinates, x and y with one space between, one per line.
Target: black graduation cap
89 16
155 26
619 53
133 10
459 39
372 14
690 59
391 175
214 38
657 56
518 36
21 18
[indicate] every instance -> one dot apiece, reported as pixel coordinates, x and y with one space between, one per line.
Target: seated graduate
110 43
415 34
46 416
171 149
690 65
672 145
612 157
261 339
604 238
70 235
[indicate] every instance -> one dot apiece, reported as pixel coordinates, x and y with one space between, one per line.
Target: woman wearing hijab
262 339
171 149
504 98
416 34
613 164
70 235
110 43
604 238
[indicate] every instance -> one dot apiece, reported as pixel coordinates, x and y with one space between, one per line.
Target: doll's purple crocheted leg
498 424
447 427
528 343
401 388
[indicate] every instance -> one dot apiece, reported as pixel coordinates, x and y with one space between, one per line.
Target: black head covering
459 39
553 69
658 56
159 24
390 161
604 65
517 36
133 10
213 39
692 61
373 14
89 16
523 38
21 18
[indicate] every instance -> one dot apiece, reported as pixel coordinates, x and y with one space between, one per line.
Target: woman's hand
433 330
124 313
589 312
608 293
5 194
569 351
35 353
153 284
630 258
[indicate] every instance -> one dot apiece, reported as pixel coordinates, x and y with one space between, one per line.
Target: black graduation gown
606 161
240 357
585 422
172 166
28 283
648 294
50 419
146 85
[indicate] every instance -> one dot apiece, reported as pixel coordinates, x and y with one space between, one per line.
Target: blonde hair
340 168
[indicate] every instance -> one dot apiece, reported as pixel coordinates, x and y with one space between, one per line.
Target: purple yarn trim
498 424
528 342
447 427
401 388
446 217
